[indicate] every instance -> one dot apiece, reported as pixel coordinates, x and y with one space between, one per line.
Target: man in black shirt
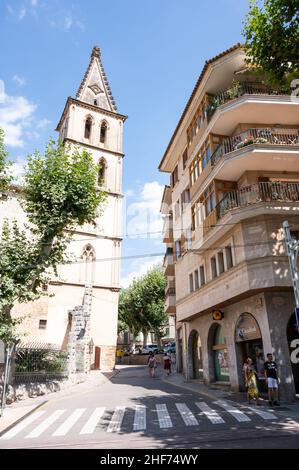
271 375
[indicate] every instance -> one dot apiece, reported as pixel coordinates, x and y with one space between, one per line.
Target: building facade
234 165
90 121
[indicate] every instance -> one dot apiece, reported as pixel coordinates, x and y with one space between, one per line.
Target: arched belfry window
103 132
88 257
88 126
102 173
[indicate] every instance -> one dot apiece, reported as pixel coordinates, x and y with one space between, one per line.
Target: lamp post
9 351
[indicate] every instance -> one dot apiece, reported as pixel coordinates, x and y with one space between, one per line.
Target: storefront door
220 357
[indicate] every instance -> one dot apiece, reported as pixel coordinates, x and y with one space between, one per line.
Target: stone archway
292 336
194 356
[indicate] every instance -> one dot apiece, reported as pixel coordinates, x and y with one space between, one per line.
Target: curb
17 421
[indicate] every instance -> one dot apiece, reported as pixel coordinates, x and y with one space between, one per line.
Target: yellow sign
217 315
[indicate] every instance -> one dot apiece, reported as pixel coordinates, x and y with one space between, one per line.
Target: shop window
220 262
220 356
213 267
228 257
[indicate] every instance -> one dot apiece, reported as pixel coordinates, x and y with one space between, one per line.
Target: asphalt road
134 411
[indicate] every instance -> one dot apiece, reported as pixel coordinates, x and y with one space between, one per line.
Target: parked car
149 348
170 348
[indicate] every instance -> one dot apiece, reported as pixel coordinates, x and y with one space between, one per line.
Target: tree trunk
145 333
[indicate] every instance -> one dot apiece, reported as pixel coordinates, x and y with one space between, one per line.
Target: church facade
90 121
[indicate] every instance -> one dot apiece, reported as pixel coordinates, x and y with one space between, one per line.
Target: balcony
168 263
170 300
168 229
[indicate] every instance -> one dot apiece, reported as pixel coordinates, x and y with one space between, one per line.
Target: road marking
212 415
140 418
21 426
91 424
263 414
237 414
186 414
163 416
69 423
45 424
115 423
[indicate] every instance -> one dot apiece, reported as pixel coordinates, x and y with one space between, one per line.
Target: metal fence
38 365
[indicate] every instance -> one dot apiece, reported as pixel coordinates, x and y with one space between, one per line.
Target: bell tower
91 121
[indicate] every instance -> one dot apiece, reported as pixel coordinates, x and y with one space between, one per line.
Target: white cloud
17 170
20 81
143 217
34 3
10 9
140 267
43 123
68 22
22 13
15 116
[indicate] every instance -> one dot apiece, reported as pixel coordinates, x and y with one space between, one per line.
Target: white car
149 348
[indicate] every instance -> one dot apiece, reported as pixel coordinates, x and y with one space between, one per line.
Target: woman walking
152 364
167 363
251 381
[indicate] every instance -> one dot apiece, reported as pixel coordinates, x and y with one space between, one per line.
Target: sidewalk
214 392
17 411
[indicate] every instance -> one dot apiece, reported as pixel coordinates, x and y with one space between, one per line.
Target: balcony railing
238 89
254 135
259 192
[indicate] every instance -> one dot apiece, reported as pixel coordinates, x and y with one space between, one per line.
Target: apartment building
233 161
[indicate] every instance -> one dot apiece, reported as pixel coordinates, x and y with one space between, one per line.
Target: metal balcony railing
238 89
252 136
259 192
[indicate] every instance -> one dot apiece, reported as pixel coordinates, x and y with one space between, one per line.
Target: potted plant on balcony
249 141
211 108
234 90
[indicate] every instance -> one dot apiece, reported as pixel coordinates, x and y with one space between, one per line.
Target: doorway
195 356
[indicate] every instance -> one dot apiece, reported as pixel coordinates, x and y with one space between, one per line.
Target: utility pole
292 251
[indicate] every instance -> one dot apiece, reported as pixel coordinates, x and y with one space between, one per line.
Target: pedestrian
167 363
271 376
152 364
250 377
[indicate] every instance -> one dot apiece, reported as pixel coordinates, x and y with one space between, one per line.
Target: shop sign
247 328
217 315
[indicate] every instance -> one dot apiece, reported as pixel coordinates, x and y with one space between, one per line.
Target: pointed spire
94 88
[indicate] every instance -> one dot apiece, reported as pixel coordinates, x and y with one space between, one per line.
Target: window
202 275
177 209
88 126
103 132
102 172
220 262
174 176
45 287
178 249
185 158
213 267
196 279
95 102
42 324
188 235
185 198
229 257
88 256
209 199
294 234
191 286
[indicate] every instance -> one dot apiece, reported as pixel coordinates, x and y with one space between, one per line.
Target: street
134 411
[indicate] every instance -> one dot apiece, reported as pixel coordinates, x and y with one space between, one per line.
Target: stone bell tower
91 121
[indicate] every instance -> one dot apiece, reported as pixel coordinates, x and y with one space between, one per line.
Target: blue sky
152 51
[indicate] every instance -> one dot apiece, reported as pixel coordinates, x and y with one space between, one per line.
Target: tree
4 165
60 192
271 32
141 306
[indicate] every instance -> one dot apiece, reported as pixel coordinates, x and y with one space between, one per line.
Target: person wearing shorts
271 377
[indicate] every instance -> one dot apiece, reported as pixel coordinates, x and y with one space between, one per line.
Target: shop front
220 356
248 339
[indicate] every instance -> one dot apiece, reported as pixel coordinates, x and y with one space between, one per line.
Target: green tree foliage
141 305
4 165
60 192
271 31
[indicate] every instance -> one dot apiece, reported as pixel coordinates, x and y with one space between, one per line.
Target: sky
152 51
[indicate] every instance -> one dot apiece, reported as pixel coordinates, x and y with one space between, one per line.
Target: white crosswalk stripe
235 412
264 414
163 416
188 417
45 424
118 416
23 425
211 414
69 423
91 424
140 418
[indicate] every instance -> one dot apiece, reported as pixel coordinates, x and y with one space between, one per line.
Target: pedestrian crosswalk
163 416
